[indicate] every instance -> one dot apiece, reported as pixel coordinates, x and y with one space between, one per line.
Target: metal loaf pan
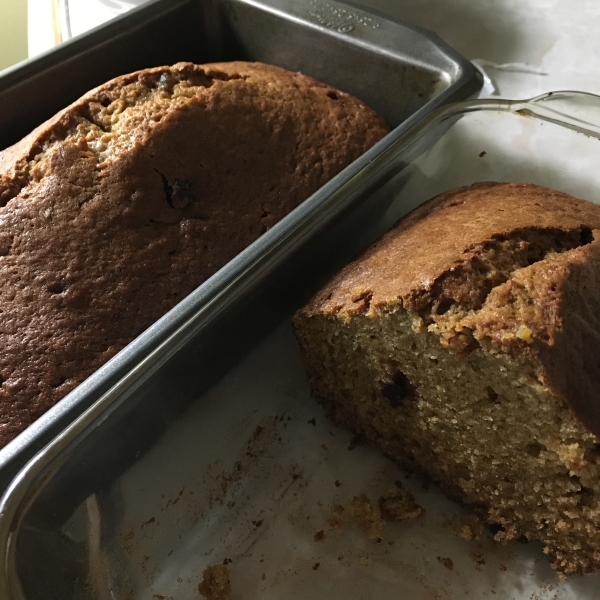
401 71
134 498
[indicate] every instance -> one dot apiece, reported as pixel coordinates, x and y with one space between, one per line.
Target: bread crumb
478 560
507 535
471 528
562 578
319 536
361 512
399 507
215 583
148 522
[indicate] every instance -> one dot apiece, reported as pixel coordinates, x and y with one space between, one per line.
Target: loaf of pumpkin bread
127 200
466 344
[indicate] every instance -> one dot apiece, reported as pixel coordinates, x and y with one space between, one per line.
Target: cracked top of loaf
127 200
509 267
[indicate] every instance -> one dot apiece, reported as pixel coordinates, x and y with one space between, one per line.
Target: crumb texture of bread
399 507
123 203
359 511
473 358
215 584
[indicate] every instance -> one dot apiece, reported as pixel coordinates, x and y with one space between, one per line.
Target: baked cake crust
123 203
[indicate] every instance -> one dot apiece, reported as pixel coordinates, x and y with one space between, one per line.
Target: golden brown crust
404 265
124 202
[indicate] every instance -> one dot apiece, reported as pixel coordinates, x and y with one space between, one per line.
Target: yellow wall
13 32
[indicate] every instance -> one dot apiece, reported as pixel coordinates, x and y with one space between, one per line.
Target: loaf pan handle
579 111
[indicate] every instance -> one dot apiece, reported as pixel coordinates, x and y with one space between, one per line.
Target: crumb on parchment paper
362 513
394 506
471 528
399 507
478 559
215 583
320 535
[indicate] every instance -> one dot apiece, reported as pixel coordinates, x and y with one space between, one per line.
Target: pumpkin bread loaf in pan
466 344
126 201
